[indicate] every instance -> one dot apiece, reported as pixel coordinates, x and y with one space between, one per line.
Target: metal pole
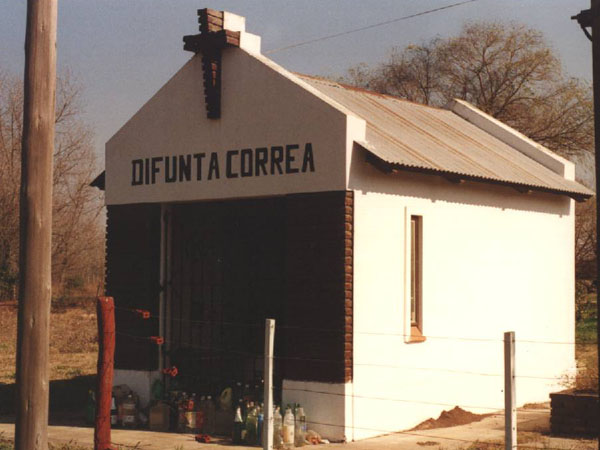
510 396
268 393
35 282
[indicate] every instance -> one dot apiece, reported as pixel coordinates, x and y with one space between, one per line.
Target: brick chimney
218 30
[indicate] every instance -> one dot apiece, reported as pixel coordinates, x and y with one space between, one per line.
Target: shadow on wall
67 398
365 177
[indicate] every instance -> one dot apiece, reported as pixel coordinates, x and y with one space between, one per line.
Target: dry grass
73 340
525 438
542 405
587 376
533 440
7 444
587 368
586 350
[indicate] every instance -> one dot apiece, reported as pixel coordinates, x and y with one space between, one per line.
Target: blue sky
122 51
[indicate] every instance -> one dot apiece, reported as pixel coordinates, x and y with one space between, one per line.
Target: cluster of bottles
248 424
289 430
195 415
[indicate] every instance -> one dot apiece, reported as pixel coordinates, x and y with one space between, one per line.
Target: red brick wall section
317 319
348 283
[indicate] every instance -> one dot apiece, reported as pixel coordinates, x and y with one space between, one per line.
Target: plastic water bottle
209 415
288 429
277 429
201 415
113 411
300 431
251 425
259 432
238 425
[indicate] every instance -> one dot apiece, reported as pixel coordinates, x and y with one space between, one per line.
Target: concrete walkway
530 424
533 427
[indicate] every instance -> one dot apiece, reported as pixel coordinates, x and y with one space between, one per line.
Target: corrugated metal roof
413 136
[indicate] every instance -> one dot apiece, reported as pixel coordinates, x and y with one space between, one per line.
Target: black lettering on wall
228 169
309 159
147 171
276 159
213 166
198 157
261 158
290 158
185 167
137 172
246 162
155 167
170 169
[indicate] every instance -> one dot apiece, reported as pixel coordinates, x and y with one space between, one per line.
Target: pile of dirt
456 416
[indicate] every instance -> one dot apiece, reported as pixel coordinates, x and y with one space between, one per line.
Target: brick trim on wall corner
318 287
348 284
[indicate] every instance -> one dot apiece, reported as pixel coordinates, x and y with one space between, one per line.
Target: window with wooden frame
416 278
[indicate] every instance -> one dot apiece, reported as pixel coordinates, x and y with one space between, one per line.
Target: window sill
415 336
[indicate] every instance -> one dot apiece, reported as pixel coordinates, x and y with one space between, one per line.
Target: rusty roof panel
422 137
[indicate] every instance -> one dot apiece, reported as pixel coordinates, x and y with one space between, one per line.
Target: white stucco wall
494 260
139 381
262 106
328 406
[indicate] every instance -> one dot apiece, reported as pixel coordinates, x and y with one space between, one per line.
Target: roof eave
456 178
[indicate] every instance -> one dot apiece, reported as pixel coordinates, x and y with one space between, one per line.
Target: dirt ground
456 416
73 339
485 434
73 353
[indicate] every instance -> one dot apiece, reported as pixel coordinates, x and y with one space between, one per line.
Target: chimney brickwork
211 41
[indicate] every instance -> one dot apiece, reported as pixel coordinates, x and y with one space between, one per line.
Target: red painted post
105 309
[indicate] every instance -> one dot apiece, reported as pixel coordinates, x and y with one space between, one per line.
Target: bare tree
11 124
507 70
77 240
585 239
411 73
585 255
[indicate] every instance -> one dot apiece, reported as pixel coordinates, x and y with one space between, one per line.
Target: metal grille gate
226 275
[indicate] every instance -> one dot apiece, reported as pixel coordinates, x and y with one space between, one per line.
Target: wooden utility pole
105 308
36 226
